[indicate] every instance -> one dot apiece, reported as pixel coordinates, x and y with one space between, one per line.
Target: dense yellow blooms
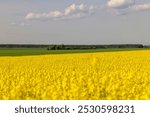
106 75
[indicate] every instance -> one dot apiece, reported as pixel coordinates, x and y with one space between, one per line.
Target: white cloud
19 24
71 12
123 7
120 4
141 7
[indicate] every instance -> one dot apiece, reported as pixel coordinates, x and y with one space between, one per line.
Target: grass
43 51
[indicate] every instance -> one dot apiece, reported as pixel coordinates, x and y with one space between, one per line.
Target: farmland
44 51
97 75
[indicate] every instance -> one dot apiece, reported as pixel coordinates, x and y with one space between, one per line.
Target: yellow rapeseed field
96 76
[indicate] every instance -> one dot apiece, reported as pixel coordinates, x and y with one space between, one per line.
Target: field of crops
44 51
107 75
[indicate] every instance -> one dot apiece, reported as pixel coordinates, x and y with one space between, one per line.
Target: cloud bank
127 6
141 7
74 11
120 4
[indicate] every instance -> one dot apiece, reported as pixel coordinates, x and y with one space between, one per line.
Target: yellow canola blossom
88 76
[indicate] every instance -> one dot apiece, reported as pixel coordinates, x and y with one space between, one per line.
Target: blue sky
74 21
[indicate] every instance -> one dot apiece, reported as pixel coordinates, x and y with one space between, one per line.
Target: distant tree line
147 46
23 46
71 47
